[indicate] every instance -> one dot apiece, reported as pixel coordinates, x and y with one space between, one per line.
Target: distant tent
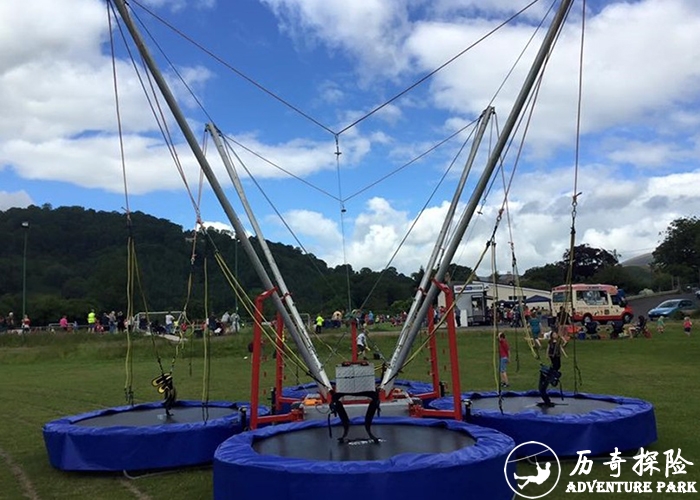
537 298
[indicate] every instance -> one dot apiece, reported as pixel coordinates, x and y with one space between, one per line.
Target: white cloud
19 199
634 215
314 225
93 162
646 154
654 73
178 5
640 120
370 31
331 93
223 227
57 93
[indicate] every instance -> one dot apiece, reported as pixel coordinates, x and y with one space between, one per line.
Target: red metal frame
454 359
434 368
279 362
256 419
353 337
294 415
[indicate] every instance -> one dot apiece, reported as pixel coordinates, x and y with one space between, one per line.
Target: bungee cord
303 113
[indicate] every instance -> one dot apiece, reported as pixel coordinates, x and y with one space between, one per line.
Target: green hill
76 260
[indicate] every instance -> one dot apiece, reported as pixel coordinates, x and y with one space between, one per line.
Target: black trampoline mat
315 444
518 404
156 416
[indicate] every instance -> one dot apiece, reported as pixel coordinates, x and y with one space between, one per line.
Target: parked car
697 293
669 307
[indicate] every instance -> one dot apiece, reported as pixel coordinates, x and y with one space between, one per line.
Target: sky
286 81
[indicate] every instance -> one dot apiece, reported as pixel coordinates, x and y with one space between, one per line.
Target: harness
338 409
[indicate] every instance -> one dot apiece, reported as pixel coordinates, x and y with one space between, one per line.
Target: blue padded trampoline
141 437
415 458
578 422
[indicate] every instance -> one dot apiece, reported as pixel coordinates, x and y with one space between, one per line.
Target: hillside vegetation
76 260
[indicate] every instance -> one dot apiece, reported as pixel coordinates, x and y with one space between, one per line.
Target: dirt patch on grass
16 470
129 485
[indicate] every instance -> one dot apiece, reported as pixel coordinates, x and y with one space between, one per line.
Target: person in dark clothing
554 350
550 375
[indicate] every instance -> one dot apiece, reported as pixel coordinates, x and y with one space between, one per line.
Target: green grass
44 377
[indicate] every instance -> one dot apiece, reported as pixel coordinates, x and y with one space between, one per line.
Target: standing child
660 325
554 350
687 325
504 355
535 322
362 344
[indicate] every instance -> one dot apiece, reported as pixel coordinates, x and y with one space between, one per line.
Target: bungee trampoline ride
572 423
143 436
415 457
358 433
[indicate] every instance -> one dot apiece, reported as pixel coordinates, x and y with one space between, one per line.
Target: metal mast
425 281
401 352
277 275
309 355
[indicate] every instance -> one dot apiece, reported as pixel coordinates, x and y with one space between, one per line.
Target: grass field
45 376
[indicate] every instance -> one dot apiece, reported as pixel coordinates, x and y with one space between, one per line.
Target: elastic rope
206 371
343 210
420 213
496 353
246 302
578 378
439 68
128 361
158 115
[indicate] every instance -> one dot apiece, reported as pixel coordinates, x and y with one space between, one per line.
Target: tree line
78 259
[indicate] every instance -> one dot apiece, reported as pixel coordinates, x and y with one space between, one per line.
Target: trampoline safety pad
576 422
414 457
142 437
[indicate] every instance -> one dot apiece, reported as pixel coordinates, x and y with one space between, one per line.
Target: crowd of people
117 322
341 318
9 322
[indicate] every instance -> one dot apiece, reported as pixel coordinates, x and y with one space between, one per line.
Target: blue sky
335 61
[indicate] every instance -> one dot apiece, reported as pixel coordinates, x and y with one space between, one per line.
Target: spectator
504 356
112 318
362 344
213 325
235 322
26 324
91 320
535 322
660 324
336 319
169 323
370 318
